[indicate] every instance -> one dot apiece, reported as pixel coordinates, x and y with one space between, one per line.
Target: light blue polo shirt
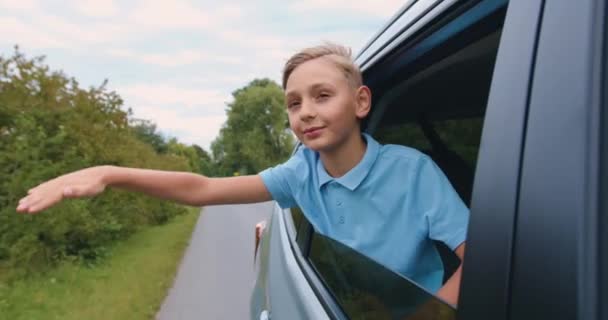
390 206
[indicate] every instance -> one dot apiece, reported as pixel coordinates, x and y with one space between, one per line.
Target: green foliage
145 130
255 135
50 126
129 284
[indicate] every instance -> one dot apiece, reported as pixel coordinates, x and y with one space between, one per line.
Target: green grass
130 284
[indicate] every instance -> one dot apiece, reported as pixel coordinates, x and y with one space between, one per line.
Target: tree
147 132
255 135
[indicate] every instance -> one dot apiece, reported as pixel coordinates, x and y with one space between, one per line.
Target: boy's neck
341 160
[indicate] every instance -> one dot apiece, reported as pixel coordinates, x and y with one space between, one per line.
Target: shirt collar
352 179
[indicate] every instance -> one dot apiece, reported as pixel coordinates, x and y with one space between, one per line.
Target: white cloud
96 8
24 5
200 130
231 81
41 29
48 31
230 11
76 34
169 15
178 58
172 97
379 8
14 31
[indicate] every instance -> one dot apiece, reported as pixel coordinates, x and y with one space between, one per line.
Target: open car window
435 103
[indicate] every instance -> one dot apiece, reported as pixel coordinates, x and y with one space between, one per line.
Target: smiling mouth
312 130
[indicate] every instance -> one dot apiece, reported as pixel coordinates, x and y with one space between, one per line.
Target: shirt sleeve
281 181
446 213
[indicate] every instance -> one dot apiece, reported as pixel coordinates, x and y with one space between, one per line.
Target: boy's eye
293 104
323 95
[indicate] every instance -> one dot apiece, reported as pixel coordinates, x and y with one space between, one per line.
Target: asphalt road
216 276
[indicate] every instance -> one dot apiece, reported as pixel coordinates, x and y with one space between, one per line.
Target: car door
532 246
556 263
554 230
431 93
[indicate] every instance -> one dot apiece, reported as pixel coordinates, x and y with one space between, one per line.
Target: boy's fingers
39 205
23 204
33 209
21 208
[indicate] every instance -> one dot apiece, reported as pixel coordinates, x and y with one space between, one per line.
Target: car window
298 217
367 290
439 110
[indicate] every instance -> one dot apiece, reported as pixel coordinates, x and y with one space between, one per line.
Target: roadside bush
50 126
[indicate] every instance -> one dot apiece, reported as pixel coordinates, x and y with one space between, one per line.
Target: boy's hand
83 183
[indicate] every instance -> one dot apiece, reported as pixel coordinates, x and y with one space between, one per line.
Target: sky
177 62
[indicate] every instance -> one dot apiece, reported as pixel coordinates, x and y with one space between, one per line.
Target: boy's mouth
312 131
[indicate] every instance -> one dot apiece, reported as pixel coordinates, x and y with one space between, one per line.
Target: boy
371 197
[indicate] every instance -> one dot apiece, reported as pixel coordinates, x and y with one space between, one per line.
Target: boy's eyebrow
319 85
314 87
291 94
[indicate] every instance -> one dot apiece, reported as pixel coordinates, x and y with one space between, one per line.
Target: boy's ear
363 97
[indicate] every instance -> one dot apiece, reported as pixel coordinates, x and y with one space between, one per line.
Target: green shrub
50 126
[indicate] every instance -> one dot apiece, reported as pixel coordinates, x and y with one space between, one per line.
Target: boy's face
323 106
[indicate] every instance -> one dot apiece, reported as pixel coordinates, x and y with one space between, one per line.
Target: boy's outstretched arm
183 187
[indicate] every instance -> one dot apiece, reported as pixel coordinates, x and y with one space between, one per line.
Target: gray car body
536 245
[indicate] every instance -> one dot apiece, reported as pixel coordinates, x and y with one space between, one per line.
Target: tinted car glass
367 290
298 217
452 143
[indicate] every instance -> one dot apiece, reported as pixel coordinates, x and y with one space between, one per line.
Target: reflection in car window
453 145
297 216
367 290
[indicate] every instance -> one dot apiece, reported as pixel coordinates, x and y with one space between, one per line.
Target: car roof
411 17
384 28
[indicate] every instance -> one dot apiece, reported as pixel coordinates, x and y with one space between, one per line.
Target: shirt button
341 220
339 203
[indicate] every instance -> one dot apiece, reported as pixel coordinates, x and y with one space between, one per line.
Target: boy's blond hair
339 55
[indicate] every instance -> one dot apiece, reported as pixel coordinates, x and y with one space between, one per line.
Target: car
509 99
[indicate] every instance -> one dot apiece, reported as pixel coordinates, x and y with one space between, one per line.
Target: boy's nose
307 111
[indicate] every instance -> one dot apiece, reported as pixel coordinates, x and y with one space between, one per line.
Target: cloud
174 59
49 31
379 8
35 23
96 8
167 15
200 130
26 35
172 97
20 5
